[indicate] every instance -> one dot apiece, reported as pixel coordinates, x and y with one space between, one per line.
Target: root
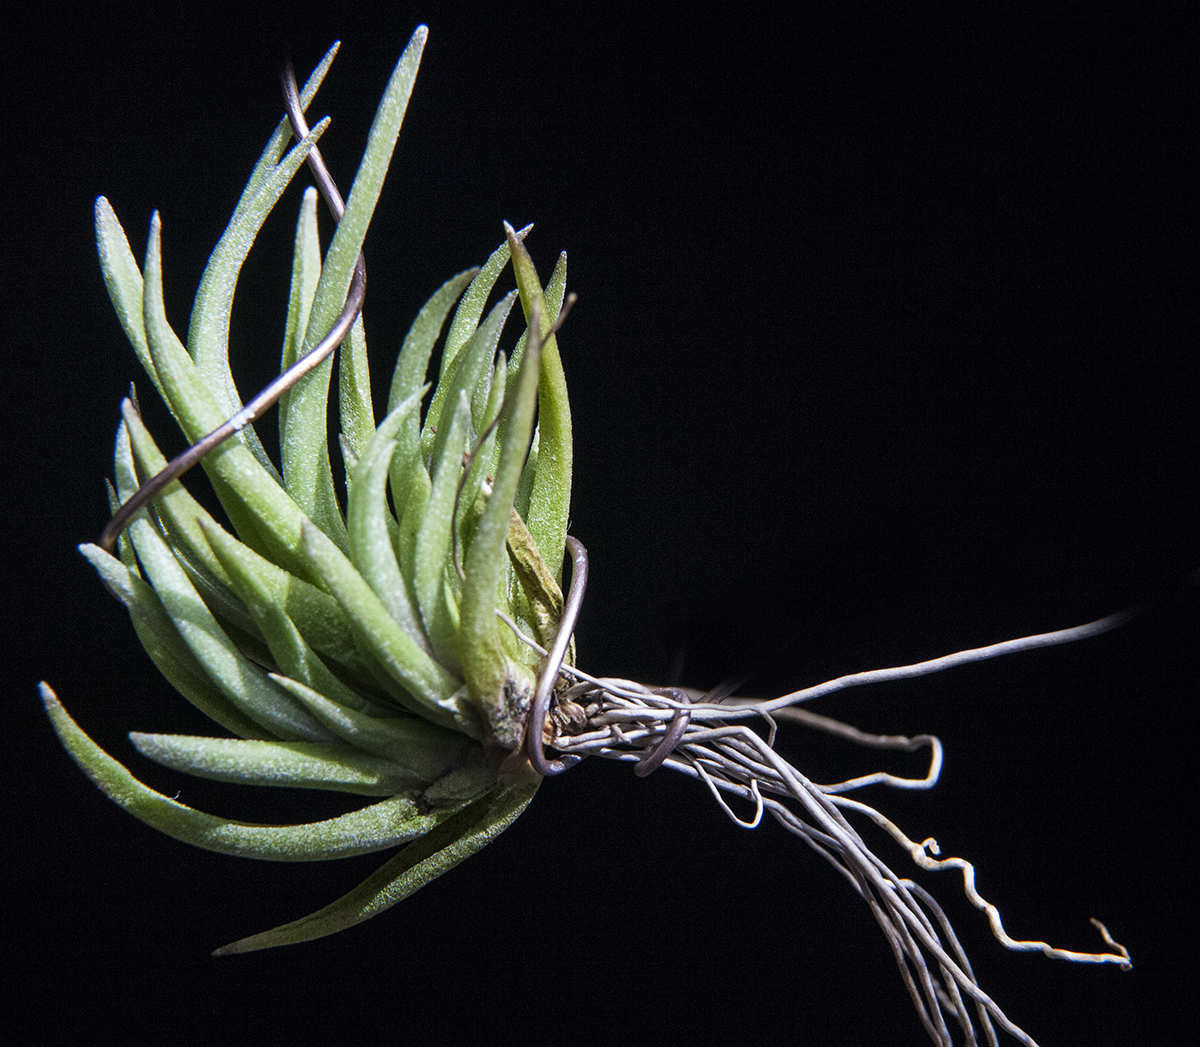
732 760
693 733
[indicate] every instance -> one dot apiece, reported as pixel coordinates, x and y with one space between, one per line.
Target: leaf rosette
374 649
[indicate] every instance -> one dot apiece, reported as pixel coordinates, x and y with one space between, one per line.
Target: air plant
415 647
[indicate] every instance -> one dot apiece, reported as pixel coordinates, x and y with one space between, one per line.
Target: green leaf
299 765
374 828
123 280
483 461
470 309
343 252
370 524
550 498
208 331
177 515
241 681
283 130
433 540
306 271
424 748
492 683
414 514
308 478
473 361
166 647
354 391
419 863
306 463
466 319
190 529
240 481
429 689
409 375
285 641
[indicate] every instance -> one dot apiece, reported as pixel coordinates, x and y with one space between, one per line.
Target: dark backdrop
883 349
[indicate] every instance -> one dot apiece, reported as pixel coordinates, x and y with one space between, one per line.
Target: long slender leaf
462 329
297 765
190 530
429 751
490 676
368 523
550 498
434 539
409 376
123 279
166 647
242 682
475 358
418 864
287 646
208 329
208 332
374 828
306 272
357 414
432 691
309 477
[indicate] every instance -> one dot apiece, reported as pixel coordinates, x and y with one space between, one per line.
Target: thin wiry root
625 721
920 853
691 733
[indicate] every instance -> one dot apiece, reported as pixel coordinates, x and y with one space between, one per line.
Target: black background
883 349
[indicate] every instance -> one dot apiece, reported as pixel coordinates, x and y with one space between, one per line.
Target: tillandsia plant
412 641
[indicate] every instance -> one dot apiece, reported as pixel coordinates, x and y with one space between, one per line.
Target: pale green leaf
374 828
427 750
241 681
488 671
431 691
433 539
340 259
475 358
166 647
370 524
297 765
418 864
189 527
470 309
550 497
208 331
409 376
123 280
306 271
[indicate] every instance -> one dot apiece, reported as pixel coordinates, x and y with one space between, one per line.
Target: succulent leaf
409 375
239 679
165 646
395 820
550 495
208 329
372 528
302 765
416 865
500 688
306 271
